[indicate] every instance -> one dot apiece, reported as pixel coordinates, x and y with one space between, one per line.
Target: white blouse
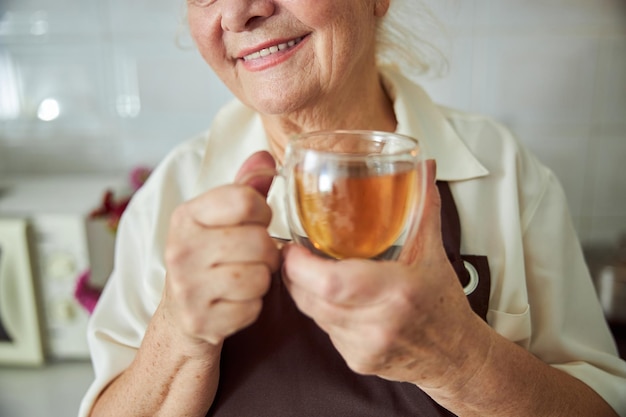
512 210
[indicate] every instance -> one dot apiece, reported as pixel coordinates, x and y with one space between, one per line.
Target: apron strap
472 270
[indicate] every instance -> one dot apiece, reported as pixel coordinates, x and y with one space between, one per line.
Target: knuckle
262 280
179 216
246 314
362 365
360 368
264 247
253 308
330 287
367 363
177 248
176 255
372 355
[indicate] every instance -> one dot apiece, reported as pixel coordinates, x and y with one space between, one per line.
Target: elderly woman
205 314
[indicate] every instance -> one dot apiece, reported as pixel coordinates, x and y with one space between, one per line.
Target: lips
272 49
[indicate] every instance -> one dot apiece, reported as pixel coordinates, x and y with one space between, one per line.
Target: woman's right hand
219 259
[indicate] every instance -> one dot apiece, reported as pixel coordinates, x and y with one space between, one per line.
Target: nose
240 15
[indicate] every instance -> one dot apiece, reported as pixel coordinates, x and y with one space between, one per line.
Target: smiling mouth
272 49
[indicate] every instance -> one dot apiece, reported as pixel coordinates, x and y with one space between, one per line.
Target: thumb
428 226
258 172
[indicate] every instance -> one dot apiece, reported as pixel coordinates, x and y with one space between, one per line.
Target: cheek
205 31
341 22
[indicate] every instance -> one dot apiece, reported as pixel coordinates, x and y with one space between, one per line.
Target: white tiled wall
127 89
553 70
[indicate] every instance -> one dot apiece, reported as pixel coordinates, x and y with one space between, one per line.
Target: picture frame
21 342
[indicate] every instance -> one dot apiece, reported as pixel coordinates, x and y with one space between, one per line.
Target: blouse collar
416 114
237 132
419 117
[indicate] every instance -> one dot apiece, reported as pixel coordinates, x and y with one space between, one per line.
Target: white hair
406 38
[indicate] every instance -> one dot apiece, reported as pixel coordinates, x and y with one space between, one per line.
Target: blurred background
101 86
91 89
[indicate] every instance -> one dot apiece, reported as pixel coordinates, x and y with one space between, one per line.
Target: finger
228 205
258 172
331 315
199 250
249 244
226 318
429 224
239 282
349 282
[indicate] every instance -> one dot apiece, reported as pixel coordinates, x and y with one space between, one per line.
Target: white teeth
272 50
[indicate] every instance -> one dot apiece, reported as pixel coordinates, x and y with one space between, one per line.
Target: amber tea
353 194
355 216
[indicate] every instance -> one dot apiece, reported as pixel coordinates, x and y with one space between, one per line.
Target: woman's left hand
407 320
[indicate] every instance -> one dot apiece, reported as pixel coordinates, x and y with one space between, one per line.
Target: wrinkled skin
220 258
388 318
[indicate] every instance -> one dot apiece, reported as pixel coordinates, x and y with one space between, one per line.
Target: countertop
52 390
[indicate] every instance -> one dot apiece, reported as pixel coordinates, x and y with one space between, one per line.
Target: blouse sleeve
569 330
133 291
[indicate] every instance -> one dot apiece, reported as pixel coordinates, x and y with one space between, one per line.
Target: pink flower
111 209
138 177
85 294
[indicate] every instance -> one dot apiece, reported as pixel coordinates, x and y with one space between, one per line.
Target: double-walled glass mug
353 194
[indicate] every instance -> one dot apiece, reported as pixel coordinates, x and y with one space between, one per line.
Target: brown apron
285 366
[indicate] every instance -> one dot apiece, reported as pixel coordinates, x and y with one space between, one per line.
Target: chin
277 106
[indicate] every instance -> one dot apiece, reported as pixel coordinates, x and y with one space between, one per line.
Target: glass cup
353 193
